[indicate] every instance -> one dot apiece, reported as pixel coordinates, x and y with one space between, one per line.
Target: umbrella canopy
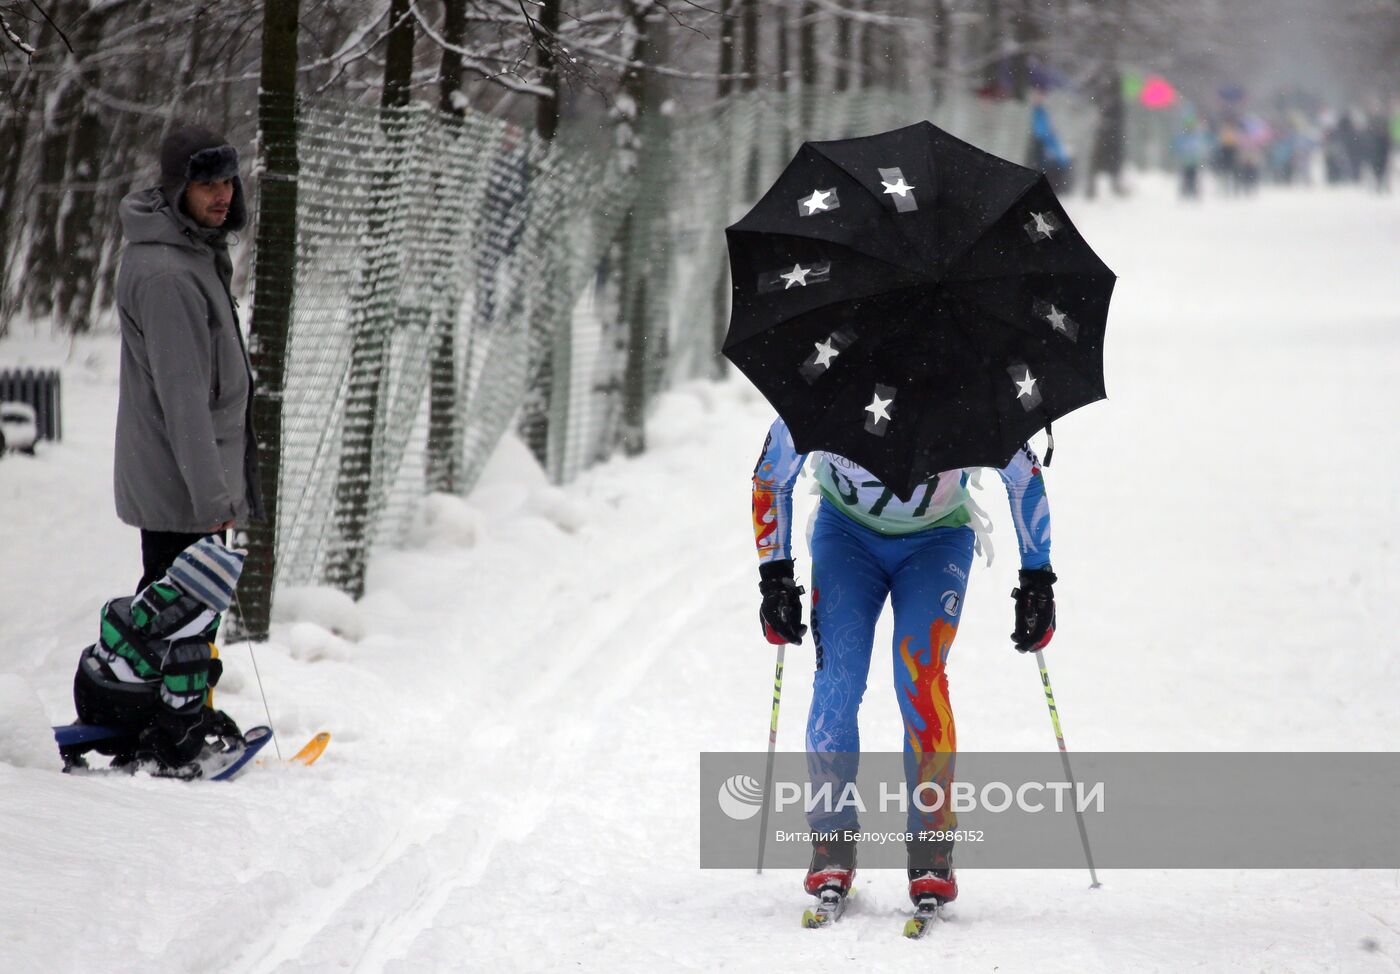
915 304
1157 93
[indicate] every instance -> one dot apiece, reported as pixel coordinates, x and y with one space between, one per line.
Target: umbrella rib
957 258
1103 272
781 319
1010 322
768 234
913 247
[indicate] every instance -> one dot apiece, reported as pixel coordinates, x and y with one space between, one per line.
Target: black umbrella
915 304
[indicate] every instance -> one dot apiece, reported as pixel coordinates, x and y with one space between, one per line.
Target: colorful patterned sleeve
773 478
1030 509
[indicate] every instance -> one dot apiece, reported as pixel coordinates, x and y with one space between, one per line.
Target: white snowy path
511 785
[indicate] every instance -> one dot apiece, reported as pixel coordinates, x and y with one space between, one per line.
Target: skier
868 545
149 672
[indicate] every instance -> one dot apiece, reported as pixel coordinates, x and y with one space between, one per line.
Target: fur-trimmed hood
192 153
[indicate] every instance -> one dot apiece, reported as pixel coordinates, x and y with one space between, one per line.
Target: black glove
781 611
1035 609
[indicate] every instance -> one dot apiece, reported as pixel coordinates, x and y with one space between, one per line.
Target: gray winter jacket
185 454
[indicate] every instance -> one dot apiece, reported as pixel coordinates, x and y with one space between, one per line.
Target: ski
831 904
921 922
74 740
311 750
225 766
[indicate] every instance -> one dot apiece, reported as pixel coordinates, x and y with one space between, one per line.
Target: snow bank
26 740
445 521
328 608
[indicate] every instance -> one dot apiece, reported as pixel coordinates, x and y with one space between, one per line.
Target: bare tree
749 21
370 322
274 295
725 83
442 388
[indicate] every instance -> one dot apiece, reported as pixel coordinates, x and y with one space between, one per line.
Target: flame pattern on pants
854 571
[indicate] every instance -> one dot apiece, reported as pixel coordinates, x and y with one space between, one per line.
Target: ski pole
1064 756
257 676
772 747
228 543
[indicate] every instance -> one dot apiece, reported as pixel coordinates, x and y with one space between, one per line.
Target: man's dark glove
781 611
1035 609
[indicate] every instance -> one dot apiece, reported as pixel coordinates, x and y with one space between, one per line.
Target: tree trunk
865 47
807 63
398 57
751 38
443 474
62 103
641 237
843 53
275 270
1029 32
784 55
941 26
539 398
12 157
547 110
726 49
79 237
372 318
750 69
992 27
451 99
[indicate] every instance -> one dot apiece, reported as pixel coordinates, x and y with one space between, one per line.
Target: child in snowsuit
152 665
868 545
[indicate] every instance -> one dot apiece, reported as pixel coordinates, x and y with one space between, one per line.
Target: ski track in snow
612 679
511 783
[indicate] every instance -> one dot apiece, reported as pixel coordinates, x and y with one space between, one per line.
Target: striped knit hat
208 571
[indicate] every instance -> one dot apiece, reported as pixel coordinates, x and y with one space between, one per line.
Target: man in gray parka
186 456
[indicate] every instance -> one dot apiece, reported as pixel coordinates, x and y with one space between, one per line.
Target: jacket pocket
229 420
230 382
216 385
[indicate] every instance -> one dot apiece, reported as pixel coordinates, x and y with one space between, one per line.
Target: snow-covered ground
520 700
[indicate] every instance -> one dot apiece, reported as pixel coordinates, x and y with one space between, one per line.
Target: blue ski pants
854 570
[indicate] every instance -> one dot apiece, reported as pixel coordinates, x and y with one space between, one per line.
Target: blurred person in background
1227 154
1281 153
1395 121
1107 154
1047 153
1191 148
1305 144
1255 137
1343 150
1378 144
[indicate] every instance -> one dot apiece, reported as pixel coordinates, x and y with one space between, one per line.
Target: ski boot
930 889
932 884
829 880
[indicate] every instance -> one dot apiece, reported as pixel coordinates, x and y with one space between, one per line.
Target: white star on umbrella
825 353
900 188
1056 317
1042 225
1026 385
798 276
817 201
877 409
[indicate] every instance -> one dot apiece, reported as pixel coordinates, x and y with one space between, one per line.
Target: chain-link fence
455 276
432 262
